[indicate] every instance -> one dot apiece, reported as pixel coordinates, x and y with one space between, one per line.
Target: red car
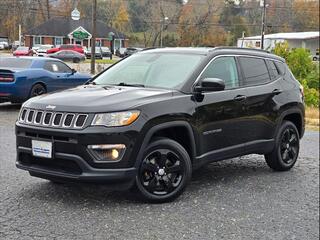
23 51
74 47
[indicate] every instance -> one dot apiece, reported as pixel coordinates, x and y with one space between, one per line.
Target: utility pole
48 9
93 40
264 13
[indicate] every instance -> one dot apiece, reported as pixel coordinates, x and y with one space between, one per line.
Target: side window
255 71
273 70
224 68
62 68
47 66
51 67
281 67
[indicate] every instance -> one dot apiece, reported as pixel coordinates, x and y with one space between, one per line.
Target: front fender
155 128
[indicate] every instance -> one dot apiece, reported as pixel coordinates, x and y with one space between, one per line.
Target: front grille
53 119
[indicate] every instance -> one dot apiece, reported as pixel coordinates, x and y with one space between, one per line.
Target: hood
93 98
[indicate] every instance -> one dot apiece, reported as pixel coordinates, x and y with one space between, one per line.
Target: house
308 40
57 31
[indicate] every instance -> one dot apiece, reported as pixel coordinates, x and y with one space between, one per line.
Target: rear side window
255 71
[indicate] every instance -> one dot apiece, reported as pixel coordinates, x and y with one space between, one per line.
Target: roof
215 51
192 50
3 35
288 36
35 59
64 26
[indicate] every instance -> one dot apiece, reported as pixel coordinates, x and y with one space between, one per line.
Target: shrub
302 67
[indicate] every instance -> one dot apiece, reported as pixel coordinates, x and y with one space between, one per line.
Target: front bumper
71 160
76 169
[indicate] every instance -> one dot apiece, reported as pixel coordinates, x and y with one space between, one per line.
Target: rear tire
37 90
286 150
76 60
164 172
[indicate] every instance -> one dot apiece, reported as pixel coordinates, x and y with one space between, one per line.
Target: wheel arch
35 83
296 116
166 130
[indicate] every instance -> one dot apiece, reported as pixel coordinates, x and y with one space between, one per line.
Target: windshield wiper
130 84
90 81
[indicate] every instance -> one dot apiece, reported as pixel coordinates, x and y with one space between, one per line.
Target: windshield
45 47
23 48
15 63
159 70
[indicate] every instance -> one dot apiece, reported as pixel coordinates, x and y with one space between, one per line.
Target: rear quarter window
281 67
273 70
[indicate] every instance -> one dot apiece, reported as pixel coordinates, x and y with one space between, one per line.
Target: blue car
25 77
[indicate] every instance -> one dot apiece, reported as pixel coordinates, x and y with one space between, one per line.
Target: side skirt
257 147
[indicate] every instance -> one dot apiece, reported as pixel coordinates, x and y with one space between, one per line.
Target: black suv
154 117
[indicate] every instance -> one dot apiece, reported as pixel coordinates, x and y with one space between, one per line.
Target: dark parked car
153 118
120 52
25 77
130 50
105 52
98 53
68 55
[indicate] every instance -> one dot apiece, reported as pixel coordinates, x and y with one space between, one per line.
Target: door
61 75
261 106
220 114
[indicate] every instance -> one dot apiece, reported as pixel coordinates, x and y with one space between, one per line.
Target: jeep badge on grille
50 107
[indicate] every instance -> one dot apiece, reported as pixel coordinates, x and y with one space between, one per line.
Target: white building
309 40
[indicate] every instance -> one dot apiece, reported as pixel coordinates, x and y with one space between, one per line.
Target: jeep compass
151 119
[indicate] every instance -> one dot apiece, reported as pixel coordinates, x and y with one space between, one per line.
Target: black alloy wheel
286 151
37 90
164 171
289 146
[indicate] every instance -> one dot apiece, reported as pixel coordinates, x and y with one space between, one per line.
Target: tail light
301 91
6 78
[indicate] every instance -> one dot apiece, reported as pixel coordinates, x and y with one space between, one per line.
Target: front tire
164 172
286 151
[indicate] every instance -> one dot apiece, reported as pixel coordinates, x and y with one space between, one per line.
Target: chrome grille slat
64 125
67 120
36 116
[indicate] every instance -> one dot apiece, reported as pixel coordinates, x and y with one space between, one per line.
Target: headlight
115 119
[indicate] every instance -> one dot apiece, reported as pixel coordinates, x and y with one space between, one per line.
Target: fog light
114 153
107 152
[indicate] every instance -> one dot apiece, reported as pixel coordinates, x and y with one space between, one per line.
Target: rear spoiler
4 70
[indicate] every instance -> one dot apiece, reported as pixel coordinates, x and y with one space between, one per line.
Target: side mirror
73 71
210 85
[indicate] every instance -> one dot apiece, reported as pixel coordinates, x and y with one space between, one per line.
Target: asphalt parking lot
239 198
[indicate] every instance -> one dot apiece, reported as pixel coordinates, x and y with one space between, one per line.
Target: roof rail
238 48
149 48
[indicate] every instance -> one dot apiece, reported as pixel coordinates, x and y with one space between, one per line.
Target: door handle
276 91
240 98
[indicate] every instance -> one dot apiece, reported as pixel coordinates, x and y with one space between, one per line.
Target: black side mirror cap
210 85
73 71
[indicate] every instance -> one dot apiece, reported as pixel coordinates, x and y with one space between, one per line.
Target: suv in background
153 118
74 47
98 53
131 50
